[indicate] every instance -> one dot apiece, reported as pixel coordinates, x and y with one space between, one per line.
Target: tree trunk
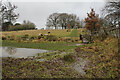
55 27
62 27
119 31
65 27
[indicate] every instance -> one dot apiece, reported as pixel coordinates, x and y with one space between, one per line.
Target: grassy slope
26 68
58 33
74 33
54 67
103 57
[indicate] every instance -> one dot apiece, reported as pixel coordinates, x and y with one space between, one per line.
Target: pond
19 52
77 44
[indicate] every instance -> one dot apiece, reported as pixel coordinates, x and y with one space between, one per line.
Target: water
19 52
77 44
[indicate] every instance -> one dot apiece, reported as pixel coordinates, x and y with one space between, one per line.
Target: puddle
77 44
20 52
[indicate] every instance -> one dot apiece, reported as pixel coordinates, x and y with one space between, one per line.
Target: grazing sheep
40 33
48 32
45 34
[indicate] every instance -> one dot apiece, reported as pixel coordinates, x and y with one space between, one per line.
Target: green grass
57 33
74 33
41 45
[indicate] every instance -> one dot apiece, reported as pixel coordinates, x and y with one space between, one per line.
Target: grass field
58 33
74 33
41 45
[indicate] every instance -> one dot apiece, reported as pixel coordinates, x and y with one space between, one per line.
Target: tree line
62 20
8 17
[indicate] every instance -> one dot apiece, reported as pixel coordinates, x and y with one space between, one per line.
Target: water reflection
11 50
20 52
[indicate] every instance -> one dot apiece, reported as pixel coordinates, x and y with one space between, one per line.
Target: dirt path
79 66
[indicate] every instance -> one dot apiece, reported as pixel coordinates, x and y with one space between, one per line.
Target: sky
37 11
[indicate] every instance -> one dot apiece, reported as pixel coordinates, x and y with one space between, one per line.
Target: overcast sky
37 11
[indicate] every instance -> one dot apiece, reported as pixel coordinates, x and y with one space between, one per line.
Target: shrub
59 39
25 37
88 38
18 38
68 39
102 37
32 38
40 36
10 37
51 38
74 39
4 38
27 25
68 58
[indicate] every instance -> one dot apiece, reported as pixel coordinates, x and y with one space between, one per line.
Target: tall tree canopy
63 20
52 20
92 22
112 10
112 14
8 15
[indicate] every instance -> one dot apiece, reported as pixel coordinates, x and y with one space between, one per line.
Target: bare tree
63 20
8 14
73 20
81 24
0 16
112 11
69 19
52 20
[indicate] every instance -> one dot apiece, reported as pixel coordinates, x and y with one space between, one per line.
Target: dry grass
58 33
36 32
